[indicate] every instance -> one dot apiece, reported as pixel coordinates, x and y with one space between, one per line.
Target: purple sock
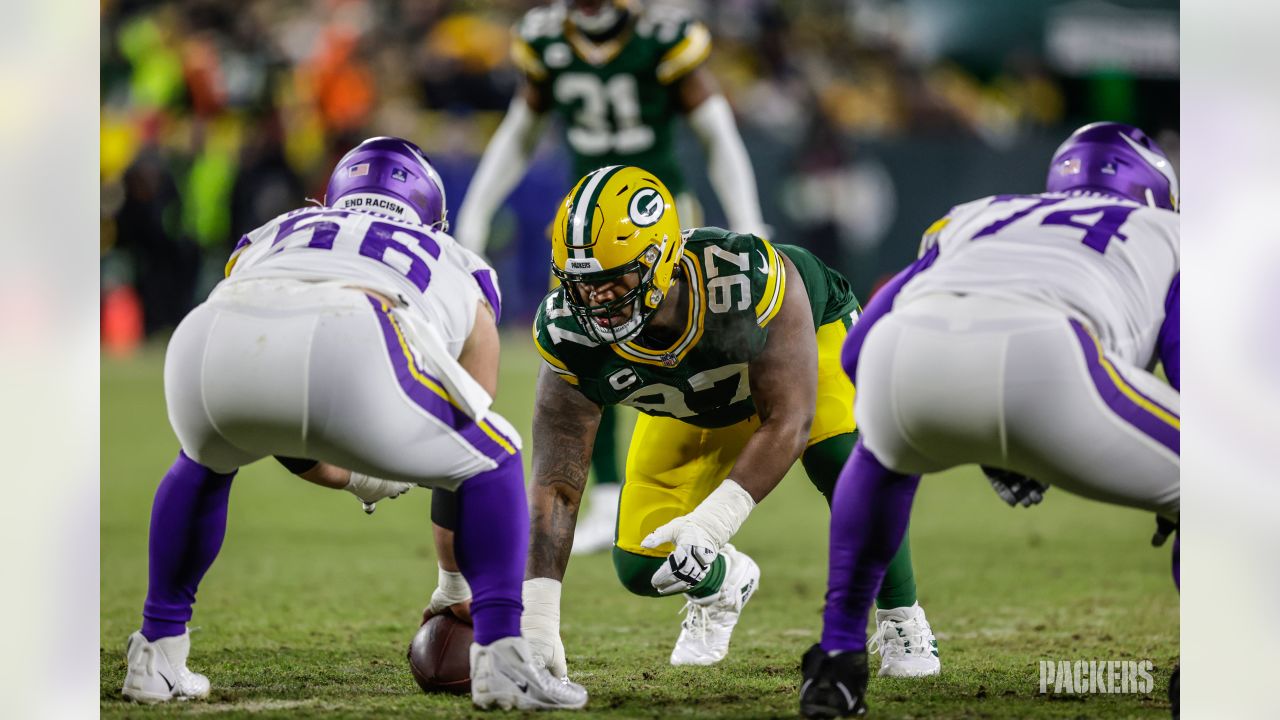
188 522
869 516
492 545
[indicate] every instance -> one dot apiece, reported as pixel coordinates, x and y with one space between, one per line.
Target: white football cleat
596 526
503 674
708 622
905 643
158 670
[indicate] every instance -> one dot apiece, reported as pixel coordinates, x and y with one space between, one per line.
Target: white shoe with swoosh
503 674
158 670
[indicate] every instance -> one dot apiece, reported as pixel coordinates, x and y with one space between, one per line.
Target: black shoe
1173 692
834 685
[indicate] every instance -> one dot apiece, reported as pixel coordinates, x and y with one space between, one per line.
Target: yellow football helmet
618 221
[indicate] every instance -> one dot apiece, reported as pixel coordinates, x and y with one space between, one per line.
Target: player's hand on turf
540 625
548 651
1013 488
687 565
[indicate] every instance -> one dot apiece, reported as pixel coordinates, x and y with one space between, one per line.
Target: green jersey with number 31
614 99
736 284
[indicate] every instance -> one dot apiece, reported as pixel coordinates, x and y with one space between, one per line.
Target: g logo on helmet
646 207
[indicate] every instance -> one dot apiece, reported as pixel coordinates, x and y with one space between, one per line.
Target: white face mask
627 329
598 22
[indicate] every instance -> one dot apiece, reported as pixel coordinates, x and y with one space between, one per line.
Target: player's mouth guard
432 355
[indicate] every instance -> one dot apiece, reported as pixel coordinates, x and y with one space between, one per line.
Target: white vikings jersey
425 270
1104 261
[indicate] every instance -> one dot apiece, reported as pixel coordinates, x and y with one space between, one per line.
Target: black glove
1164 528
1013 488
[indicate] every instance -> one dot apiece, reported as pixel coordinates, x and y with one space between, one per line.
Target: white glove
688 564
451 589
698 537
540 625
371 489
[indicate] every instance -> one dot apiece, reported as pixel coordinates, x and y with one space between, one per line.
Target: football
440 655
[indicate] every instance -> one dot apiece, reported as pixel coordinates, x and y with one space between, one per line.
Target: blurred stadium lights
1088 36
216 115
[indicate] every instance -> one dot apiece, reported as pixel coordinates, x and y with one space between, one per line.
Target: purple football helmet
391 176
1118 159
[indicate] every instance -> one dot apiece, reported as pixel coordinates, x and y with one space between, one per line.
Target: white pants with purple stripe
319 371
948 380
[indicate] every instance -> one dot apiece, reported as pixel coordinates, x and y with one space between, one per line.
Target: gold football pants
672 466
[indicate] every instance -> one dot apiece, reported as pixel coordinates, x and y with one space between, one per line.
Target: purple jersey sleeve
1169 341
487 279
880 305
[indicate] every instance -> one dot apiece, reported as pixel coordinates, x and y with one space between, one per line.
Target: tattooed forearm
564 429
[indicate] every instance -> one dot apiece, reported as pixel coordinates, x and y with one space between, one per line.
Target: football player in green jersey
729 346
617 75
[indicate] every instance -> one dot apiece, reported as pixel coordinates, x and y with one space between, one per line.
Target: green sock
636 572
899 586
710 584
823 463
604 456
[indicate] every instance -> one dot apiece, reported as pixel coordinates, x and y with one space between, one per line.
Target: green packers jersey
736 284
614 100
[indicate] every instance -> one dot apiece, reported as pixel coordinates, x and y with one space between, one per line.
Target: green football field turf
311 604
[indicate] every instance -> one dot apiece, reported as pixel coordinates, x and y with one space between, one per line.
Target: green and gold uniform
694 396
617 106
615 99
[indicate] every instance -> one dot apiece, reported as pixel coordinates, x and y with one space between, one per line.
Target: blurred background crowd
865 119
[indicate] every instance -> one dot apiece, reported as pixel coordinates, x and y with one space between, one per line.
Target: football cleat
503 675
834 684
158 670
595 529
905 642
708 622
